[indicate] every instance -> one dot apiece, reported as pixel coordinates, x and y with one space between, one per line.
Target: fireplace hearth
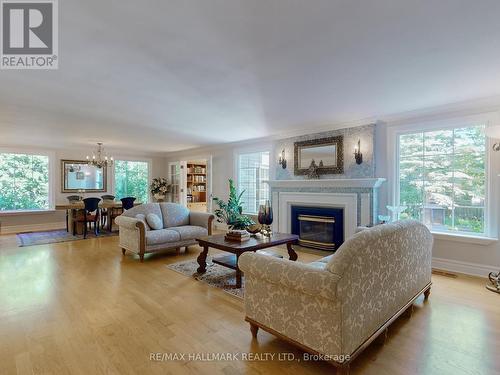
318 227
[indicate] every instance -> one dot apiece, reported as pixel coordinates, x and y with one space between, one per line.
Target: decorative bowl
254 228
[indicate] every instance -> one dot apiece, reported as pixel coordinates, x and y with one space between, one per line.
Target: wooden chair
113 214
104 211
128 202
90 215
71 199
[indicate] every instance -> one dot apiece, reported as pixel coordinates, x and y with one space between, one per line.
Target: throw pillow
154 221
142 218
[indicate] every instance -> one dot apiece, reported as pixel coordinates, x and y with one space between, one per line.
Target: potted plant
159 188
230 212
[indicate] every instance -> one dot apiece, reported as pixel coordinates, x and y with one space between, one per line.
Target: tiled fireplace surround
357 197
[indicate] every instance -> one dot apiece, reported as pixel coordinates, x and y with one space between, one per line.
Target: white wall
49 220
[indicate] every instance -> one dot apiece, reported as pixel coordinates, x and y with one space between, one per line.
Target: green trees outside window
132 179
442 178
24 182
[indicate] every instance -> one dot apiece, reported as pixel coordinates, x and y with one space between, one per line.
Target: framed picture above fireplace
326 154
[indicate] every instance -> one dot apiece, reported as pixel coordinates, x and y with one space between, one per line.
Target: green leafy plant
230 212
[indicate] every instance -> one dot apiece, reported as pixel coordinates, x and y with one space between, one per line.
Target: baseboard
473 269
31 228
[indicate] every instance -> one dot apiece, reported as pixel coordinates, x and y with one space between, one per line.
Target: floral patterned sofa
336 306
178 227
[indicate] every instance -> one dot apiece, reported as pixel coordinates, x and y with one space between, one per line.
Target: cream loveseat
178 227
336 306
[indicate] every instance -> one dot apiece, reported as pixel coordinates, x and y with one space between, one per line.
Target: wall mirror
327 154
78 175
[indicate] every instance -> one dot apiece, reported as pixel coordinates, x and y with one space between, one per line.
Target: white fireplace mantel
356 196
328 183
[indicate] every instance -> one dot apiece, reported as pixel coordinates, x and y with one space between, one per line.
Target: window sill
464 238
25 212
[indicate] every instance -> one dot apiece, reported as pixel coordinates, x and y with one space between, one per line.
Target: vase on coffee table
265 218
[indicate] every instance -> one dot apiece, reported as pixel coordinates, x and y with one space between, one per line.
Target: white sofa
179 227
339 304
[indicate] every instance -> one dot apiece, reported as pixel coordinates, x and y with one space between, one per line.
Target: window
442 178
253 169
132 179
24 182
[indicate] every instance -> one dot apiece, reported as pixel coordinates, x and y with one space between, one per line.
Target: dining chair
71 199
128 202
105 213
90 215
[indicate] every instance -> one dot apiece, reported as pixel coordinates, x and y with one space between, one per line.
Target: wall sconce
282 159
493 132
358 156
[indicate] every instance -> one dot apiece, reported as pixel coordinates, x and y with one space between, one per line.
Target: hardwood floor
83 308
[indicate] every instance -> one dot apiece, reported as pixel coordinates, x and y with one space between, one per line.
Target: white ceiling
167 75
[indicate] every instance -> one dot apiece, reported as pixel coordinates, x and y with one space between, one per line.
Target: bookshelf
196 182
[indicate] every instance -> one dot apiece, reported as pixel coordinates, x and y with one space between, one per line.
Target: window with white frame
132 179
442 179
24 182
253 169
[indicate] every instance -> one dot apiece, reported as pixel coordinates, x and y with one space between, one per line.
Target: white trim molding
463 238
328 183
13 229
466 268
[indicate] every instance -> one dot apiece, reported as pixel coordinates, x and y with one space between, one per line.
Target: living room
249 187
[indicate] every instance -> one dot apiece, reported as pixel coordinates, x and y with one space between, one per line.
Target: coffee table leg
202 260
292 255
238 273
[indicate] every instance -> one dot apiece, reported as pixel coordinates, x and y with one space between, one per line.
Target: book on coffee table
237 235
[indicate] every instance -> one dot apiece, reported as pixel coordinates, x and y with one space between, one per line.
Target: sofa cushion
161 236
382 243
190 232
174 215
142 218
145 209
154 221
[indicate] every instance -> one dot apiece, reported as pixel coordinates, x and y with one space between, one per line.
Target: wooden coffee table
256 242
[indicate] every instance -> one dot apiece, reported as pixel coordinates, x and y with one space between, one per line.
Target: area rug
217 276
54 236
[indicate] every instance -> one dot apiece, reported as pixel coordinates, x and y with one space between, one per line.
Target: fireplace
318 227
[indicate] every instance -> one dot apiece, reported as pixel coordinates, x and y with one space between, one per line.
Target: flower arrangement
159 187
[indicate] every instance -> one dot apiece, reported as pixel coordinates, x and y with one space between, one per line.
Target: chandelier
98 160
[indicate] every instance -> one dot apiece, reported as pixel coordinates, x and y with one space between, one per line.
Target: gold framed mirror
77 175
326 154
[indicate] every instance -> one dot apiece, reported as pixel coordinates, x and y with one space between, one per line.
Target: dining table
73 208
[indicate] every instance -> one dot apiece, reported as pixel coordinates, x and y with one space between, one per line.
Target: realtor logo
29 34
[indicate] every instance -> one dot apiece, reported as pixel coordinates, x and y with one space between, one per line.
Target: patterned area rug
53 236
217 276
